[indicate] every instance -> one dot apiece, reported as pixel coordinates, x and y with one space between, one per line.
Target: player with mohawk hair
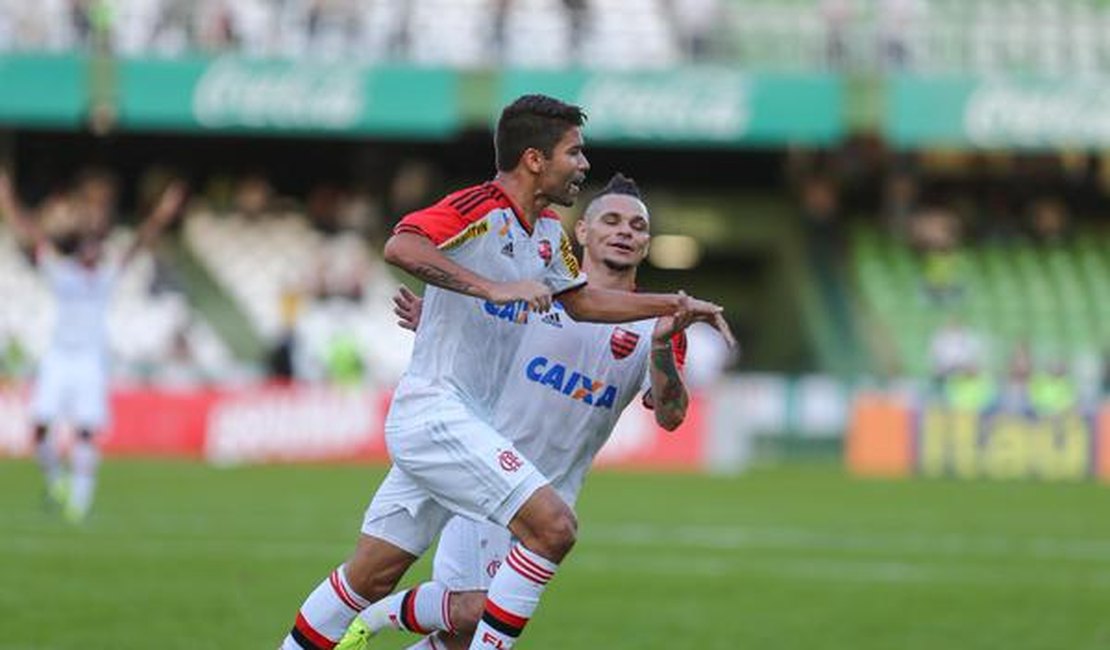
570 382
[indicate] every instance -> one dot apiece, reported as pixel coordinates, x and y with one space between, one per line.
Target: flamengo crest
623 342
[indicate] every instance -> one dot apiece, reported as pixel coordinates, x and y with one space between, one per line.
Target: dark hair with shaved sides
533 122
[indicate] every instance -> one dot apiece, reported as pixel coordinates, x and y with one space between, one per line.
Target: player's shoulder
548 213
474 202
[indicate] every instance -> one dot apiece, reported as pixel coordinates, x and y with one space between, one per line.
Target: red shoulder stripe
468 202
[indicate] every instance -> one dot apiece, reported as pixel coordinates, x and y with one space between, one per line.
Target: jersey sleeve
678 349
563 274
440 223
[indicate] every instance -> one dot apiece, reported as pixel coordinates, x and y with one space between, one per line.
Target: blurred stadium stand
979 36
868 186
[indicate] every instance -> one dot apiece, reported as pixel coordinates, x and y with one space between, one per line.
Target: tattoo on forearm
432 274
672 394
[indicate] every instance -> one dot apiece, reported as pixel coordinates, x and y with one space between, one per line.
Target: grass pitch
180 555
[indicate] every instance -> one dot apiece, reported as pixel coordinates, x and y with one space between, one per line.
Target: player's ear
533 160
580 231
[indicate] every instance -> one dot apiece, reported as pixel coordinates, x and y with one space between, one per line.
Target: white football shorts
446 461
469 554
72 386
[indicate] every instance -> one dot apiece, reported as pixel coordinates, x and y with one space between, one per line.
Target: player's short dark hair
620 184
532 122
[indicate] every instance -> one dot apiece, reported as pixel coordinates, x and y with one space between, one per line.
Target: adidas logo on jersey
507 250
514 312
575 386
552 318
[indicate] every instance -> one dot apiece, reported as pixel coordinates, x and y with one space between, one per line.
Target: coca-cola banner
998 112
696 105
233 94
296 423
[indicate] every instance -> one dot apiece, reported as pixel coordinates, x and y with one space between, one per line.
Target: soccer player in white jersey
569 383
491 254
72 380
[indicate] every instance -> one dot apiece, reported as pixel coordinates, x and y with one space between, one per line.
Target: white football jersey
83 296
568 385
464 346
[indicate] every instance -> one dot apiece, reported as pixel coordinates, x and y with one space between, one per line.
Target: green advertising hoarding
43 90
245 95
695 105
998 113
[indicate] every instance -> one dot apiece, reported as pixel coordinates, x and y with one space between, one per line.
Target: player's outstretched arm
596 305
164 212
420 257
668 397
13 212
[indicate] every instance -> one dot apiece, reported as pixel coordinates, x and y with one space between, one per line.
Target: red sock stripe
447 612
508 618
523 557
408 613
528 568
310 633
341 591
517 566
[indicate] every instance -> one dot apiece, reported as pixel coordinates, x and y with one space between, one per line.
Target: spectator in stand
1052 391
253 195
180 369
897 21
282 361
1049 221
900 195
1015 391
837 16
578 15
969 389
937 237
501 10
954 348
694 22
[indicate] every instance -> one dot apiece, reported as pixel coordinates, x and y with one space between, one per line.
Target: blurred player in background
71 385
491 254
570 382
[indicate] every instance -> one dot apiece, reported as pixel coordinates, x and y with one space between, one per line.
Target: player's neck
523 194
603 277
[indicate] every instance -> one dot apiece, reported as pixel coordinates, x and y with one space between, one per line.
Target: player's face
88 253
563 173
615 232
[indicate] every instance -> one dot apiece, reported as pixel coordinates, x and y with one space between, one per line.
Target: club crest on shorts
509 461
623 342
545 251
492 567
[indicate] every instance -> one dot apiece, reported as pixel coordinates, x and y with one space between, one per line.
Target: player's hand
5 188
170 202
707 312
667 326
536 294
408 306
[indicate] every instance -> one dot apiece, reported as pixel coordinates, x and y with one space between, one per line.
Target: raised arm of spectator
165 210
25 227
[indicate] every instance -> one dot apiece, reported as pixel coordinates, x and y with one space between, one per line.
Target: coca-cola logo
301 424
707 104
233 92
1004 113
